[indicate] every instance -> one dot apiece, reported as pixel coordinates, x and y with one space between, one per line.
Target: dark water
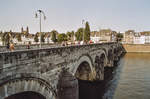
90 90
26 95
130 80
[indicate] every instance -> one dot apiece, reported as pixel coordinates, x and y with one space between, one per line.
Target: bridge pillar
108 73
68 86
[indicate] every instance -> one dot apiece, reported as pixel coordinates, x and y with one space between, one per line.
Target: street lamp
83 29
36 16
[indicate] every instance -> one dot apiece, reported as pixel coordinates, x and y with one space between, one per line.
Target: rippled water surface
131 79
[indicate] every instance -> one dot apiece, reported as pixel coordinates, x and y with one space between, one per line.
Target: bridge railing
23 47
36 46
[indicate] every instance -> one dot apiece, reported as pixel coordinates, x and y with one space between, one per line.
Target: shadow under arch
84 72
110 54
93 89
26 95
103 59
84 61
103 55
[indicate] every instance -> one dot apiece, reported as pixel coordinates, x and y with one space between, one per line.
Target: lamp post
83 30
36 16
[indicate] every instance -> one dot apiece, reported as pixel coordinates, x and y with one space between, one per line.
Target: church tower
27 31
22 30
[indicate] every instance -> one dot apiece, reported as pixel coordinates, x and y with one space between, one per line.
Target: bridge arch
99 64
103 59
19 84
103 53
84 71
84 68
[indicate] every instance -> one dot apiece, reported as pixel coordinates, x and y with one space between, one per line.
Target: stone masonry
53 72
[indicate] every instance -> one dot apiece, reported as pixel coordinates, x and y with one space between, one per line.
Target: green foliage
19 37
54 39
119 37
70 35
79 34
62 37
3 38
87 32
36 39
6 38
42 37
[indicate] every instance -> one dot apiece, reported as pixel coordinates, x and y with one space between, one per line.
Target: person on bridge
11 47
8 45
28 45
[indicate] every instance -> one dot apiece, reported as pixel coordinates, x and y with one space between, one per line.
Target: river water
131 79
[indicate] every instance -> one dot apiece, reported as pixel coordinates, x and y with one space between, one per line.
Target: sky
67 15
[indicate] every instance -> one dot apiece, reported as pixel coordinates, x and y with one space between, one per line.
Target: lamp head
44 17
83 21
36 15
40 11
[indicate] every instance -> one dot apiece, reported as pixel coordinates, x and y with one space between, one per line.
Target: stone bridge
53 73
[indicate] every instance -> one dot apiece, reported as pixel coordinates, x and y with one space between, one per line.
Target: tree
6 38
119 37
70 35
19 37
42 37
3 39
62 37
87 32
54 39
36 39
79 34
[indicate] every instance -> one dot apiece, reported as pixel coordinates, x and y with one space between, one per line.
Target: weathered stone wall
137 47
35 66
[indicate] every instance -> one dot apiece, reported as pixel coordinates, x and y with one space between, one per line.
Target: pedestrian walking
12 47
28 45
8 45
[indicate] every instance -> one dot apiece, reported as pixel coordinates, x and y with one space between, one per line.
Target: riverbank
137 48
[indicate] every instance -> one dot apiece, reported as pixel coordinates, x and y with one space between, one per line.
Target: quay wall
137 48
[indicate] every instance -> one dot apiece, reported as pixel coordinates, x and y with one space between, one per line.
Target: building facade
104 35
23 37
132 37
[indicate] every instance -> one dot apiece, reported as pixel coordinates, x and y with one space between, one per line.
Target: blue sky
67 15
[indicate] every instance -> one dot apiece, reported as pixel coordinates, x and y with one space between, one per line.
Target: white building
138 39
147 39
146 34
95 39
